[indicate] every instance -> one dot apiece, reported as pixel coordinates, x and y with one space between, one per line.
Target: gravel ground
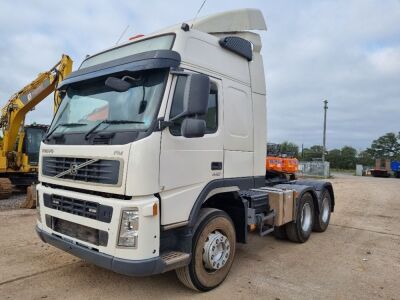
358 257
13 202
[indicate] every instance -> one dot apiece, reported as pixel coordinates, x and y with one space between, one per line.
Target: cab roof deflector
222 25
231 21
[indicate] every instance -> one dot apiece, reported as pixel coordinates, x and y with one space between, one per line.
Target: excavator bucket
5 188
30 201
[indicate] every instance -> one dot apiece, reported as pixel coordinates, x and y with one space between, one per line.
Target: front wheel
300 230
213 251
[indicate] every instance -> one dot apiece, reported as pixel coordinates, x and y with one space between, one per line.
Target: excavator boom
14 162
14 112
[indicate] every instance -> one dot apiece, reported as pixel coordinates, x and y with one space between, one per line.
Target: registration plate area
80 232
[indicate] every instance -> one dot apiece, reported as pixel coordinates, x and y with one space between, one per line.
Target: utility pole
324 136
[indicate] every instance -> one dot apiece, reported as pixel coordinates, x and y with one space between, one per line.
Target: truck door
188 164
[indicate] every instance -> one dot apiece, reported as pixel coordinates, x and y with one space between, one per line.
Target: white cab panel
238 117
143 166
185 167
178 203
260 134
238 164
203 51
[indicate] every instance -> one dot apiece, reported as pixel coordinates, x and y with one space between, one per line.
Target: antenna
122 35
198 11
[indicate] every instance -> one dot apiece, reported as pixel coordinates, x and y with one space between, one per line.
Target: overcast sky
347 52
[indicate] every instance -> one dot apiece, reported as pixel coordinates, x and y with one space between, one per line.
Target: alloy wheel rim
216 251
325 210
306 217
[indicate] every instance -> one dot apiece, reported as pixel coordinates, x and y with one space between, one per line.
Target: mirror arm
162 124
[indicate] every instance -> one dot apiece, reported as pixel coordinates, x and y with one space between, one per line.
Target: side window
211 117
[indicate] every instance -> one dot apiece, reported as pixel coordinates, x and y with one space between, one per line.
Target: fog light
128 231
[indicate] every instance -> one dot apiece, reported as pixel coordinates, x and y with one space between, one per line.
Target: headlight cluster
128 231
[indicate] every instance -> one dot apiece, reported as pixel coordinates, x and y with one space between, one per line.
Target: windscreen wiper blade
64 125
110 122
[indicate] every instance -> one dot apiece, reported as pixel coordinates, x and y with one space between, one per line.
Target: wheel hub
325 210
216 251
306 217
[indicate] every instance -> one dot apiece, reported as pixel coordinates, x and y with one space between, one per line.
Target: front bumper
128 267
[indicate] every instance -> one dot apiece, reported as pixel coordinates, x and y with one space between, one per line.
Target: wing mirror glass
195 96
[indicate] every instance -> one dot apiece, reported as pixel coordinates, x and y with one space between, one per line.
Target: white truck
155 160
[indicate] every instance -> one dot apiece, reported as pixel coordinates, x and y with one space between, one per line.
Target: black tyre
280 232
322 218
300 230
213 251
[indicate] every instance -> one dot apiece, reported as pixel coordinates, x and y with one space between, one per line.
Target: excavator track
5 188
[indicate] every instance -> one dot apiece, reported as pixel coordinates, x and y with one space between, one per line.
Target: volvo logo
73 170
49 151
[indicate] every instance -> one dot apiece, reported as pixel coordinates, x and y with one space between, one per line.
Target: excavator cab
33 136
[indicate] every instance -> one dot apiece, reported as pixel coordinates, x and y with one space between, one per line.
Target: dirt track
357 257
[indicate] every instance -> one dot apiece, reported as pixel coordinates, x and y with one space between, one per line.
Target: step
266 229
175 259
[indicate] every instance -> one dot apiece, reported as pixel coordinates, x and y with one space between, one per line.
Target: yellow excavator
19 145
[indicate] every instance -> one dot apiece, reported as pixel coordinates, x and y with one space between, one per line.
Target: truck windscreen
96 104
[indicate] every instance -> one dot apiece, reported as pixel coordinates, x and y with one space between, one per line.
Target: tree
345 158
315 152
348 158
290 149
365 158
386 146
334 157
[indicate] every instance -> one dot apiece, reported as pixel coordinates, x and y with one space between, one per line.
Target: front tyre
213 251
323 217
300 230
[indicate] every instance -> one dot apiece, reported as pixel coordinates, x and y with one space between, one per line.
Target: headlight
128 230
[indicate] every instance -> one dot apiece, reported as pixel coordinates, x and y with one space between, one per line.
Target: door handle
216 165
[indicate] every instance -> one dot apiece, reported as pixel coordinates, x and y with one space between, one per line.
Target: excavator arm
14 112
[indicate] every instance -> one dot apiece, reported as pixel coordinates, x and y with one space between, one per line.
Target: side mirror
195 96
193 128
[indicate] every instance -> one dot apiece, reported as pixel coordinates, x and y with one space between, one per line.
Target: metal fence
314 168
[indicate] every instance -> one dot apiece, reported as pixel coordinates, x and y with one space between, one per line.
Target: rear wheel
300 230
213 251
280 232
321 219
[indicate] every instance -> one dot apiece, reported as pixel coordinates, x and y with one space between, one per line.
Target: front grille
82 169
87 209
81 232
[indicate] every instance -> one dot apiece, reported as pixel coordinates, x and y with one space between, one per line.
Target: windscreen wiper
110 122
64 125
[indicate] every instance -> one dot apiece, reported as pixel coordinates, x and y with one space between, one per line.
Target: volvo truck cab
155 160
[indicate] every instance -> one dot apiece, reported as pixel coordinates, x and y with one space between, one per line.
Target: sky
347 52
